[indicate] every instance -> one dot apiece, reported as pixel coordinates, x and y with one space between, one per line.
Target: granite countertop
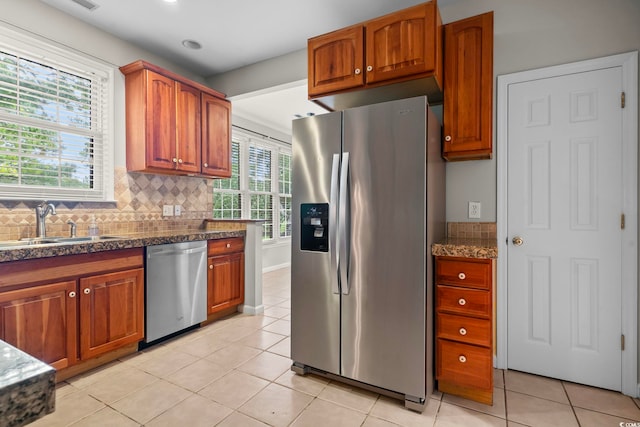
123 242
466 248
27 387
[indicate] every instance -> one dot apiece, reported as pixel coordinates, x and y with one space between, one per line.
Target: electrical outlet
177 210
474 210
167 210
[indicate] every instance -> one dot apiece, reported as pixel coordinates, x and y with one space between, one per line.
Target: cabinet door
403 43
335 61
41 321
468 88
225 282
188 128
216 136
111 311
160 121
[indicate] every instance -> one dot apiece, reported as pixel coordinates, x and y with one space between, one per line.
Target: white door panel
565 200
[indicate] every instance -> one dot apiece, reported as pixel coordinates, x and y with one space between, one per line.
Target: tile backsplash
137 208
472 230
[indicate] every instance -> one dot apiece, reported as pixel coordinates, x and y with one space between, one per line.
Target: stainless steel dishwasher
176 288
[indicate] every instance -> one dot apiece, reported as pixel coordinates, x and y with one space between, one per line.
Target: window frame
245 139
45 52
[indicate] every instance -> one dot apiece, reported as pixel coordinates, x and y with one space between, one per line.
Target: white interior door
564 201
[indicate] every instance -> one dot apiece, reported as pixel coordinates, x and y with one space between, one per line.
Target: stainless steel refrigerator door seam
333 230
344 225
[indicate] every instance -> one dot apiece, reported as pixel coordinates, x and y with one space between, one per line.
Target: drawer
467 302
463 364
464 329
226 246
466 272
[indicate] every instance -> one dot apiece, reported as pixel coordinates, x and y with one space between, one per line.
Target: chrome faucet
73 228
42 210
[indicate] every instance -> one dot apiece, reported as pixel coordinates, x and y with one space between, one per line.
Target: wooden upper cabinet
166 129
42 321
160 122
395 56
216 136
188 130
111 311
403 43
336 60
468 88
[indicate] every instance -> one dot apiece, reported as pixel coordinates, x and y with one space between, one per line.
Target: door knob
517 241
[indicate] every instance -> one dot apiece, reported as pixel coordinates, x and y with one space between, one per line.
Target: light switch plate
474 210
167 210
177 210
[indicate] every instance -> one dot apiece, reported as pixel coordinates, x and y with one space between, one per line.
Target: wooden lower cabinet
42 321
464 327
225 280
111 311
69 309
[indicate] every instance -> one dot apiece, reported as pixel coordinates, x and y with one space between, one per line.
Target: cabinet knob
211 267
357 71
447 138
72 294
174 160
462 358
462 276
463 331
179 160
462 301
228 245
206 165
87 291
369 68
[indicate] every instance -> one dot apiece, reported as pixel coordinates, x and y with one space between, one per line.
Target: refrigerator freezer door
384 314
315 307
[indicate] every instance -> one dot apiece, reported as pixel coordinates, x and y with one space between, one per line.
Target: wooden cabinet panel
468 88
463 364
42 321
464 272
111 311
160 121
188 128
402 43
335 60
225 282
464 329
216 136
469 302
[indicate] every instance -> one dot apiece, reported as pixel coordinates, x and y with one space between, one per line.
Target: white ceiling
233 34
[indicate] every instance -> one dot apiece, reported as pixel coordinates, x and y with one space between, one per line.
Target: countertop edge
466 248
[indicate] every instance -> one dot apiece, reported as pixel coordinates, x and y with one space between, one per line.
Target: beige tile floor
235 372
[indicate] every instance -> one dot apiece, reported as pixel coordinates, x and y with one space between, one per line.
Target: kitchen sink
51 241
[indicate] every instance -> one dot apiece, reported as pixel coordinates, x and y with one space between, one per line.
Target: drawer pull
462 358
462 301
463 331
462 276
228 245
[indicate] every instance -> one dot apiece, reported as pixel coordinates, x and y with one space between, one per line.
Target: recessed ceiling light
191 44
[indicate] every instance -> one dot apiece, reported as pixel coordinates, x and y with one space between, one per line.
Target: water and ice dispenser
314 218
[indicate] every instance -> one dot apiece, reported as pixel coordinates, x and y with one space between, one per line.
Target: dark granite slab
126 242
27 387
466 248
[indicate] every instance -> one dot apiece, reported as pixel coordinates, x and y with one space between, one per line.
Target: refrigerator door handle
344 225
333 229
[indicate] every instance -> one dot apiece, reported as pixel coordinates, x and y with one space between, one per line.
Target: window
54 123
260 185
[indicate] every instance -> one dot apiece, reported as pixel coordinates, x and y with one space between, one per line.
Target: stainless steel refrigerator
368 202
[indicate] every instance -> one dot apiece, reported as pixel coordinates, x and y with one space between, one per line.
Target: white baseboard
251 310
276 267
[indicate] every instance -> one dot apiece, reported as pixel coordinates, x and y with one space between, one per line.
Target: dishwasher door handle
161 252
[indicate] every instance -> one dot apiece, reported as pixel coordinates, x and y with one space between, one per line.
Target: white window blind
54 124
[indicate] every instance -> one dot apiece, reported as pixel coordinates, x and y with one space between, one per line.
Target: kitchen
562 33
